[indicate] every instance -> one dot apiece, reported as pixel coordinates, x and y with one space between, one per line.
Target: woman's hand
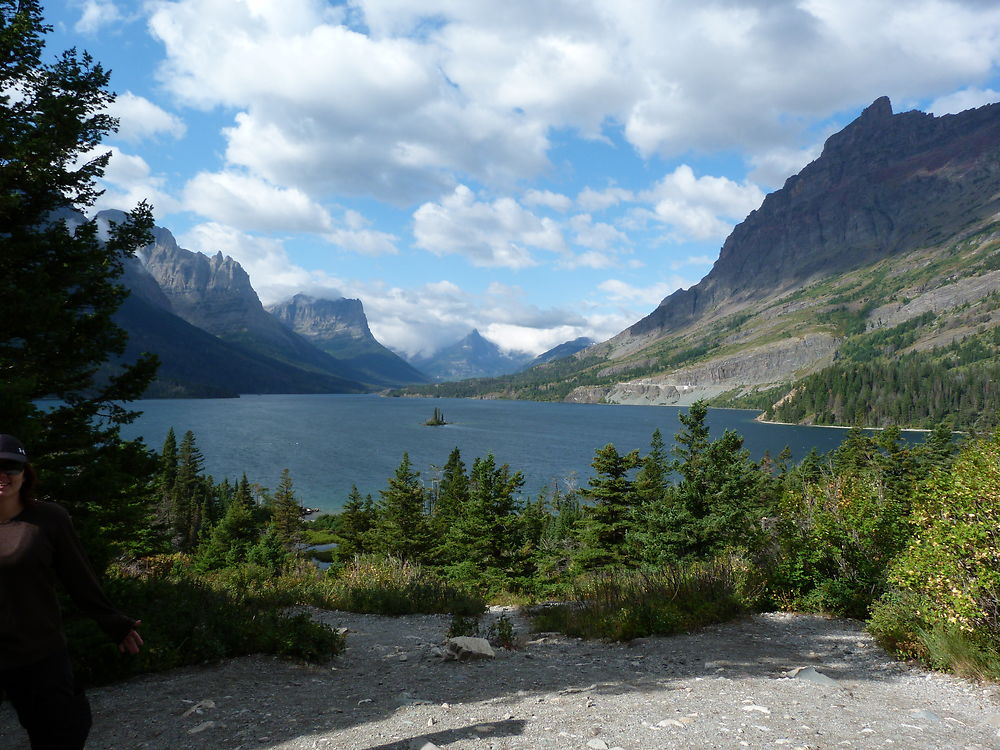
131 642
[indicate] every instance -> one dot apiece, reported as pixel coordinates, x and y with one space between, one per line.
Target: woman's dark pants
48 702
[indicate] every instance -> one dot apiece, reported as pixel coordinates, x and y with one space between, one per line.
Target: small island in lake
437 419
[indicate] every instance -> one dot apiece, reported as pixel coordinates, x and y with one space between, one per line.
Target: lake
330 442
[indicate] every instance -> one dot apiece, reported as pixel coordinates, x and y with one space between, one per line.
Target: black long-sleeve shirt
37 548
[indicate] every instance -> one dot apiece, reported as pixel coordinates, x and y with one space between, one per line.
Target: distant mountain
194 363
472 357
340 328
224 343
566 349
867 287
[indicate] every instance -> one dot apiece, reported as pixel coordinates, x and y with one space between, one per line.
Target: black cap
11 449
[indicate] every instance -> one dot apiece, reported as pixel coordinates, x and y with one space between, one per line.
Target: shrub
835 540
392 586
622 604
949 575
191 619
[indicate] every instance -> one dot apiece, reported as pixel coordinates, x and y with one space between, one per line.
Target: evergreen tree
611 517
286 513
452 498
230 541
188 499
402 528
355 525
720 499
60 293
166 478
484 543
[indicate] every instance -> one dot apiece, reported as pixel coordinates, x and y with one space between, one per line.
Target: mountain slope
214 294
896 218
194 363
340 328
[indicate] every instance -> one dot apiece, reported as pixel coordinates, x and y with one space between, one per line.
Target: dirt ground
769 681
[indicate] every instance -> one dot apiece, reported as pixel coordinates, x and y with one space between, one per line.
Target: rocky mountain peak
321 318
884 184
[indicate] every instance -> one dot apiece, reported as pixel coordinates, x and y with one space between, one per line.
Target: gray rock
809 674
466 648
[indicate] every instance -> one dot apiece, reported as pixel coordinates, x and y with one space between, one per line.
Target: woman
38 546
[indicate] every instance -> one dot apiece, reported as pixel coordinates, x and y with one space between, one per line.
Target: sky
537 169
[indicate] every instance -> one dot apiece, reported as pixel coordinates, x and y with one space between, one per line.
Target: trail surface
771 681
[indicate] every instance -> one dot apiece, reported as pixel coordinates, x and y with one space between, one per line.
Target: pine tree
611 517
286 513
230 541
452 498
355 526
60 293
166 478
402 528
486 538
188 498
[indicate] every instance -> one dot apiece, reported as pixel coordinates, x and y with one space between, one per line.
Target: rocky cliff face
215 295
885 184
758 367
339 327
323 320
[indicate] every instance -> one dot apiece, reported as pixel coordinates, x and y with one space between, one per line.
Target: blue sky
537 170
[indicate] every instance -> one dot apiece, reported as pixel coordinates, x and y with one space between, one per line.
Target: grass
622 605
391 586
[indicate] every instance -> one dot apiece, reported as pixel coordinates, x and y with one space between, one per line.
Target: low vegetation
658 542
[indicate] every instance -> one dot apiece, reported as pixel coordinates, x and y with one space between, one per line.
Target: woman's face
11 479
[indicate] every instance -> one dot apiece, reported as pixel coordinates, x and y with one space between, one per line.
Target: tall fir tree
485 540
610 517
402 528
452 497
58 299
189 498
354 529
286 513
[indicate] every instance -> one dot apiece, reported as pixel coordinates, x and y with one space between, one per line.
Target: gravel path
729 686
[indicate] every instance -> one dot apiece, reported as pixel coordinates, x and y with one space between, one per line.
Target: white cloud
623 292
588 259
701 208
139 118
515 338
128 180
251 203
401 100
365 241
596 235
96 14
497 234
776 165
601 200
959 101
547 198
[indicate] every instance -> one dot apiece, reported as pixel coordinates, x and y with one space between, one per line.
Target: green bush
391 586
624 604
836 538
188 619
944 600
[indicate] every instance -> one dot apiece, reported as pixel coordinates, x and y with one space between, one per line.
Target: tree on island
437 419
61 289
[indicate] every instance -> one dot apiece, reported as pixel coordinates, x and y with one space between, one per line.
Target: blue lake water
330 442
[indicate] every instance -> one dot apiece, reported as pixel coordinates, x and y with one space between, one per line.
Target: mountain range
200 315
878 260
